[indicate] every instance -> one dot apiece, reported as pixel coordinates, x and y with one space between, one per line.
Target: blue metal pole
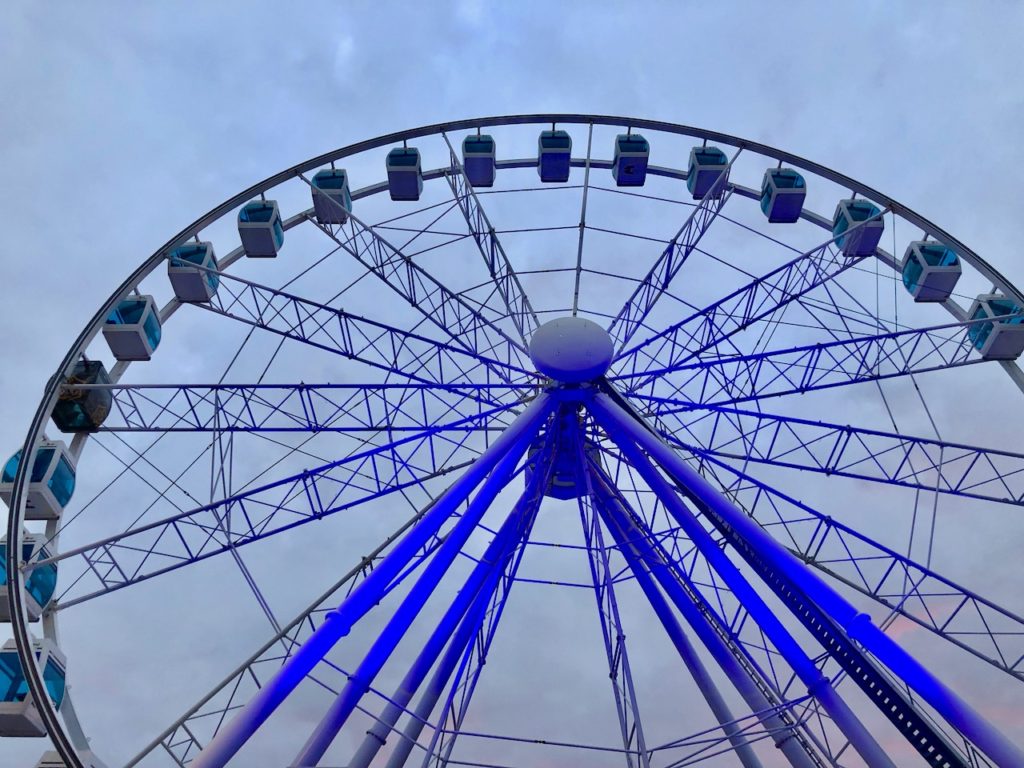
471 625
337 624
478 588
623 429
644 561
386 642
857 625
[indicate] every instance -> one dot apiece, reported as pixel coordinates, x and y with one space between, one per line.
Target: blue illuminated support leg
472 599
644 562
490 601
338 623
623 429
634 438
395 630
399 623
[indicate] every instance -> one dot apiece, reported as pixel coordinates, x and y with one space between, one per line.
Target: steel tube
337 624
388 639
858 626
624 429
629 540
479 586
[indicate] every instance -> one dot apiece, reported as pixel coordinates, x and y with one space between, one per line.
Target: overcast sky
121 122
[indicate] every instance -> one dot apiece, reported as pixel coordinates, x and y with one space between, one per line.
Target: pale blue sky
121 122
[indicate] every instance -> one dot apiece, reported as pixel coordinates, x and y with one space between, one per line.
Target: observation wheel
524 440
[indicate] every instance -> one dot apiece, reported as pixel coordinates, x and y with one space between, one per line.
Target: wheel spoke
187 736
504 277
180 540
758 299
836 449
740 378
453 315
312 408
631 317
379 345
959 615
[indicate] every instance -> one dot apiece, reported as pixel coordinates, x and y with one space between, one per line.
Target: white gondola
783 192
132 329
50 484
260 229
332 199
707 166
192 270
478 160
863 240
53 759
83 410
40 582
554 156
629 163
998 339
19 715
930 271
405 174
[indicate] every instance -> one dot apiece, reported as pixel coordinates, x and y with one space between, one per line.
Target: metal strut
399 623
634 438
648 561
623 430
470 603
362 599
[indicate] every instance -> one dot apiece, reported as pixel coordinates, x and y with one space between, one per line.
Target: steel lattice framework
404 362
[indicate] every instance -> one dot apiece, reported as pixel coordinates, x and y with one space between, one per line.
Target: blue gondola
83 410
629 163
864 239
50 484
40 583
554 151
332 199
478 160
708 165
132 329
260 228
783 192
998 339
19 715
191 269
930 271
405 176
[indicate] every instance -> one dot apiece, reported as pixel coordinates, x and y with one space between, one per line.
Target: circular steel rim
62 740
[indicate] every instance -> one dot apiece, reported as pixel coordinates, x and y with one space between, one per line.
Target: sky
123 122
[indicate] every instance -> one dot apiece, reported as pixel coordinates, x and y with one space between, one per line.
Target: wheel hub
571 350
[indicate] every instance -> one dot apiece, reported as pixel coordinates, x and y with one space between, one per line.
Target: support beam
856 625
638 306
391 635
471 601
739 378
624 431
231 738
612 509
506 281
823 447
758 299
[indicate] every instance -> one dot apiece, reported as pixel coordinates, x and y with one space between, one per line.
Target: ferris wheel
680 417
